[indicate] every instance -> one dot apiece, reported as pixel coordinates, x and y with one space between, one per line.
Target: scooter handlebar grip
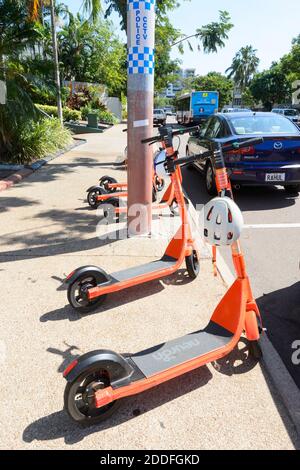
187 130
152 140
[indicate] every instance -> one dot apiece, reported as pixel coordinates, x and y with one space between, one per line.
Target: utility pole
56 61
140 93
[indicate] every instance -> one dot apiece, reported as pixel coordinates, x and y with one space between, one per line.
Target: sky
268 25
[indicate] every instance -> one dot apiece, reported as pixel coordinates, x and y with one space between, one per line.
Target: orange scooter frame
98 380
88 286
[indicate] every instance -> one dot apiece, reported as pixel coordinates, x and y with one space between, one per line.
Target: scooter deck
144 269
167 355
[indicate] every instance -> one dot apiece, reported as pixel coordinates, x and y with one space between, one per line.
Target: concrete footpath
47 230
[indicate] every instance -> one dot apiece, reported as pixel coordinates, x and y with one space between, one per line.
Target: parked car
168 112
291 114
159 117
236 110
274 162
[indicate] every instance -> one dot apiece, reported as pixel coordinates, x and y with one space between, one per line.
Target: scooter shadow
120 298
58 425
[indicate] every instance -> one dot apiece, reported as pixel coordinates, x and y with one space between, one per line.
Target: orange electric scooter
107 191
88 286
97 381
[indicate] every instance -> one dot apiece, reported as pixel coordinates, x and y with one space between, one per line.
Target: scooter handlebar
225 148
159 138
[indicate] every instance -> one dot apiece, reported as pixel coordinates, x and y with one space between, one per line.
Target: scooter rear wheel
79 398
193 265
105 181
92 196
77 292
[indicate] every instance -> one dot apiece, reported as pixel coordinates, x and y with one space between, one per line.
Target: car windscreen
270 124
158 111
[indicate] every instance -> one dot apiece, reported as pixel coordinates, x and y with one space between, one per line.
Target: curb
280 377
27 170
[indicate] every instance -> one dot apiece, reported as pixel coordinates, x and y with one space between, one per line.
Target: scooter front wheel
193 265
79 398
105 181
78 289
92 196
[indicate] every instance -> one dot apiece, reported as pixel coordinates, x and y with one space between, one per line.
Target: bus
192 108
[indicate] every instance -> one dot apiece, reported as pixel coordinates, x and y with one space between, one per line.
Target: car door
193 147
207 141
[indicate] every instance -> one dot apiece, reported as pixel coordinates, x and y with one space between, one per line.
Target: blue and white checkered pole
140 33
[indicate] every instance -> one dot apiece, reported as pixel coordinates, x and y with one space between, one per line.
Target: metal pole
140 92
56 61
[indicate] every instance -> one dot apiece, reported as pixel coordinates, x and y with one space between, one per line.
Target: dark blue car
274 162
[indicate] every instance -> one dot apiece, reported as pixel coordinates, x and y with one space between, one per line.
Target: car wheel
292 189
210 183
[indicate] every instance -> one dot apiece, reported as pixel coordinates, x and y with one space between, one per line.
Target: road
271 241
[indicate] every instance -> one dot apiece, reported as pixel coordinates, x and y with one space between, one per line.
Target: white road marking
272 226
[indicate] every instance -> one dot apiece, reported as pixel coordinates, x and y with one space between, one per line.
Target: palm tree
243 67
36 7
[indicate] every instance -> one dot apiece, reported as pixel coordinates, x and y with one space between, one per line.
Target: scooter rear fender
93 270
119 370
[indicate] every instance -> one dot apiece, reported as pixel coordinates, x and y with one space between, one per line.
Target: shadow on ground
281 313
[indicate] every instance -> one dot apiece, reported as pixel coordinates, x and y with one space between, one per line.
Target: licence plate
277 177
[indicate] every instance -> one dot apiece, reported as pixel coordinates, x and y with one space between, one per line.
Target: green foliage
214 81
162 102
248 100
165 67
243 67
271 87
105 117
68 114
213 35
290 63
120 6
93 53
35 139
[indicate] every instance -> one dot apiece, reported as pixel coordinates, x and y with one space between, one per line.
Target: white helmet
223 222
159 161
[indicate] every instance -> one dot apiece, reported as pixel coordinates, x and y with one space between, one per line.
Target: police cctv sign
141 18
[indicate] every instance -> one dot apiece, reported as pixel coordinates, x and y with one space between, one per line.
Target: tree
36 12
214 81
91 52
243 67
271 87
211 36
